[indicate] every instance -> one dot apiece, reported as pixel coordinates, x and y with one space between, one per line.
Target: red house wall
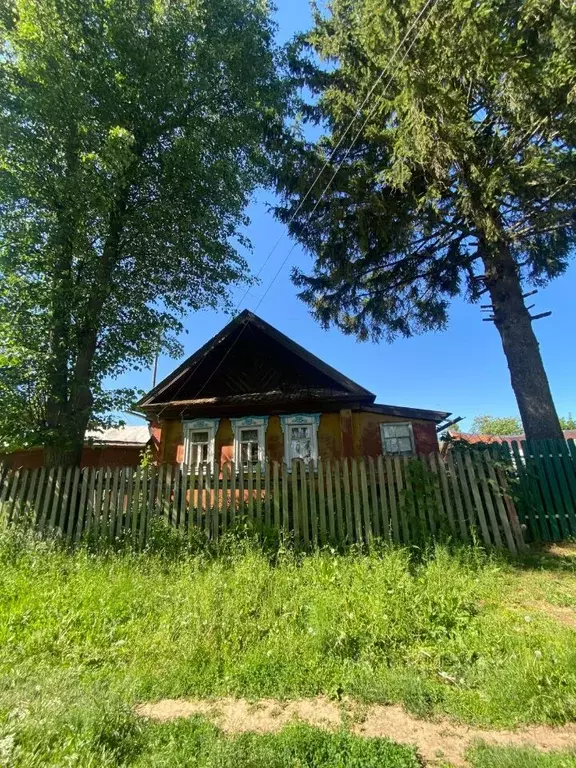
92 456
347 434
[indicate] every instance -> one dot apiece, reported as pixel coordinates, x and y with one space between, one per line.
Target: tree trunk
69 429
71 400
514 324
63 455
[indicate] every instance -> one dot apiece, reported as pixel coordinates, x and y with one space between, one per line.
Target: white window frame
260 424
408 424
311 420
199 425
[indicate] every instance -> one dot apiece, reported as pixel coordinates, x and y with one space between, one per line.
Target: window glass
199 442
301 443
397 439
249 445
199 448
199 453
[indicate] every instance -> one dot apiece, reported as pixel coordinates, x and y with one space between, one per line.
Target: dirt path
434 740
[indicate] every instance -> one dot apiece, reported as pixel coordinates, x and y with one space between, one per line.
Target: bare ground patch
561 614
434 740
562 549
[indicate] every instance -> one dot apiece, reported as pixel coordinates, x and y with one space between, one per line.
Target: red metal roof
468 437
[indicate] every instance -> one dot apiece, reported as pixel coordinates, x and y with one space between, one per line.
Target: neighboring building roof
468 437
251 367
130 435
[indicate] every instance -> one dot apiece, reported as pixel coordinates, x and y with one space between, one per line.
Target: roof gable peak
201 370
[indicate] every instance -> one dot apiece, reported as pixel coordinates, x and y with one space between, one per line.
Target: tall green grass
502 757
114 737
436 630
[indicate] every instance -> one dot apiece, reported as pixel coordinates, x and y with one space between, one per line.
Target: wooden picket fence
343 502
545 486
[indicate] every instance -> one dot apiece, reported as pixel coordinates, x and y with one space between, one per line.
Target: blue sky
462 370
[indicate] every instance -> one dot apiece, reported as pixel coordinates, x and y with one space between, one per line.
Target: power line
339 166
340 142
422 11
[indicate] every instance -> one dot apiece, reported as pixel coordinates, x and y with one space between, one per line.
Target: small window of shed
397 439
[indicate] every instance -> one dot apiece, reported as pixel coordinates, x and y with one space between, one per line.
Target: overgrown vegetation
85 636
509 425
132 136
456 176
499 757
112 738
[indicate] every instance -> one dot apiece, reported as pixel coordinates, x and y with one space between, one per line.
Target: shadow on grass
543 556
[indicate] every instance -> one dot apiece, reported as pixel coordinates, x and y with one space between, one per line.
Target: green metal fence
543 474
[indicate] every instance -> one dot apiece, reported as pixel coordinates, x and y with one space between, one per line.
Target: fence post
313 513
39 495
224 470
267 499
477 499
399 464
383 498
121 523
276 498
321 503
487 499
497 487
455 483
18 504
439 468
342 528
285 507
295 503
73 505
374 496
330 503
365 503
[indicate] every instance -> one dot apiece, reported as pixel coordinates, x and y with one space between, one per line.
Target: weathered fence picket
503 495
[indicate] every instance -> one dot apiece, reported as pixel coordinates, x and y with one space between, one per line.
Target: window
199 448
300 443
199 439
249 439
249 445
397 439
300 437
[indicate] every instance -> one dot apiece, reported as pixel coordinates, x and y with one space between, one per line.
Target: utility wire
422 11
340 142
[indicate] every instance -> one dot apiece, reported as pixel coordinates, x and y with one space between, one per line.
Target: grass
85 636
500 757
115 738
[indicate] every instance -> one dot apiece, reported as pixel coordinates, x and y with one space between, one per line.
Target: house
253 394
121 447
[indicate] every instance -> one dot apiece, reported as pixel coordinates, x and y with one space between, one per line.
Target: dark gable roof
250 361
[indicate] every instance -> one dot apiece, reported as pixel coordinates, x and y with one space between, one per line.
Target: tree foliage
462 179
496 425
509 425
132 133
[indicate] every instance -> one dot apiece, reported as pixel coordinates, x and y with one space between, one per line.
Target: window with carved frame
300 437
199 442
249 439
